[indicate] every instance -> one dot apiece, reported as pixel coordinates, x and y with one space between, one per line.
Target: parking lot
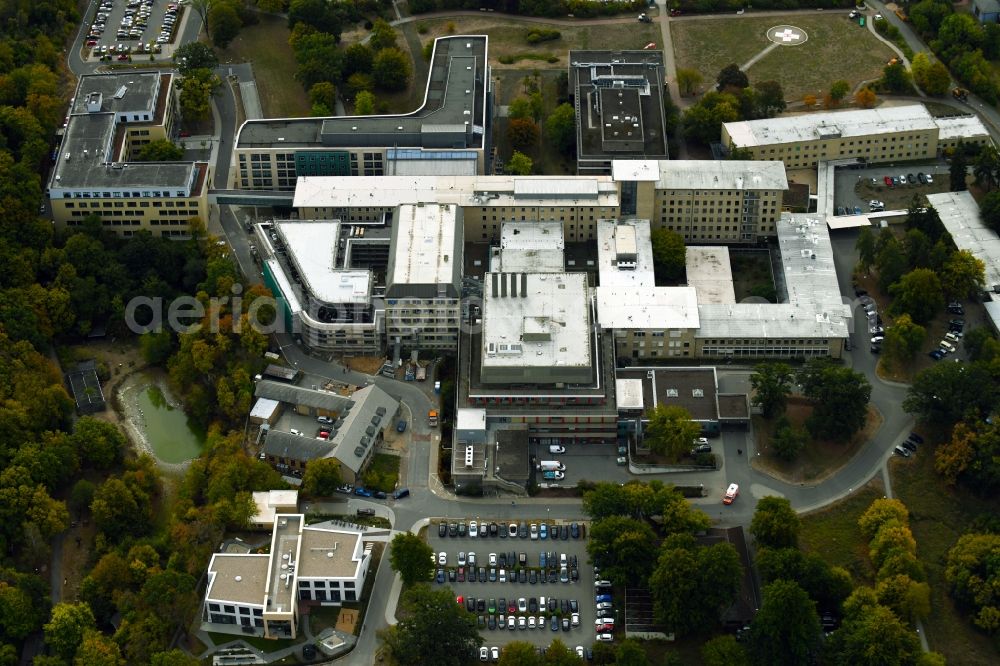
526 554
854 188
135 24
590 461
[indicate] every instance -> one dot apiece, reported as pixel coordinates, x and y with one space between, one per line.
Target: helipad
787 35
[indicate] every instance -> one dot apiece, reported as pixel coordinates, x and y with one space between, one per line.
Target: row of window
132 204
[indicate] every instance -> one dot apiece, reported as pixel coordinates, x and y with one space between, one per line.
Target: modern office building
424 277
261 594
618 97
111 118
885 134
448 134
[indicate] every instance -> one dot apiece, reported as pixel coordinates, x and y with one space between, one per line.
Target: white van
555 448
551 466
947 346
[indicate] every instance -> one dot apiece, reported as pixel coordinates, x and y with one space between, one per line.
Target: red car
602 628
675 12
91 42
888 181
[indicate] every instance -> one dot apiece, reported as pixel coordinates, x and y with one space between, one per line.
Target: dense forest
56 289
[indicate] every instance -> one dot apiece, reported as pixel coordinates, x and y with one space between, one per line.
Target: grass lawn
321 617
750 269
833 532
710 45
266 46
509 85
508 38
819 459
938 516
263 644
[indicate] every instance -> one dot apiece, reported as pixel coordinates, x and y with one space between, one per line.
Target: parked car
956 308
916 438
731 494
555 448
921 178
401 426
911 179
930 179
900 451
473 529
888 181
401 493
362 492
936 354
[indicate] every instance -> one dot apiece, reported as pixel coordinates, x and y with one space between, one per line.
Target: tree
520 107
410 557
194 55
971 456
364 103
731 77
100 444
866 248
827 586
195 91
948 391
890 260
986 167
358 58
174 657
65 631
957 171
839 396
624 548
770 99
520 653
786 629
432 629
319 14
874 636
963 275
809 101
981 345
724 651
989 210
96 649
318 56
775 523
788 441
321 478
560 128
919 294
225 22
631 653
120 509
161 150
323 98
391 69
559 654
903 339
383 36
839 90
692 584
974 578
910 600
522 133
771 383
703 120
937 81
895 78
866 98
669 254
519 164
688 80
670 430
644 501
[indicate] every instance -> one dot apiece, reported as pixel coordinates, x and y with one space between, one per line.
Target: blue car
362 492
543 531
602 598
937 354
401 426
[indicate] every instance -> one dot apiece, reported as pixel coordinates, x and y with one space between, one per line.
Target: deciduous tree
65 631
520 653
383 36
724 651
519 164
670 430
624 548
560 128
785 631
522 133
731 77
364 103
432 629
775 523
866 98
161 150
391 69
895 78
865 246
224 21
194 55
321 478
918 293
669 254
903 339
947 391
788 441
974 578
410 557
358 58
839 396
839 90
963 275
771 383
688 80
770 99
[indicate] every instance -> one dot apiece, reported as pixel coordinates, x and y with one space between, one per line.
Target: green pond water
168 430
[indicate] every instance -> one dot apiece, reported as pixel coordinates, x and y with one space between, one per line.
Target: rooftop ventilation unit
120 93
359 451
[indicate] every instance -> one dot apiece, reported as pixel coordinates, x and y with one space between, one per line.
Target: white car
512 530
522 605
493 559
484 653
534 532
605 638
472 558
503 575
604 620
442 558
930 179
461 558
575 619
605 605
579 651
602 583
878 17
522 623
495 653
473 529
555 448
531 622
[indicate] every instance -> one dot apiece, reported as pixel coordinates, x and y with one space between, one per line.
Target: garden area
752 275
833 532
382 473
837 49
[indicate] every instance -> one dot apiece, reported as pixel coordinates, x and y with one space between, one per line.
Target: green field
833 533
837 49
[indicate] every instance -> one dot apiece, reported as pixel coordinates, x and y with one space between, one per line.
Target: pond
160 421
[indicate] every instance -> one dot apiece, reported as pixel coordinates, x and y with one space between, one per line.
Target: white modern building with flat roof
424 277
537 247
261 594
625 253
710 273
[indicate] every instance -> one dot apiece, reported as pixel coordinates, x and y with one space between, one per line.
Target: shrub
542 35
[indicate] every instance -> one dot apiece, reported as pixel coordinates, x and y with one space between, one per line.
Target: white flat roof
470 418
637 240
425 243
546 325
269 501
264 408
312 247
536 247
487 191
843 124
710 273
628 393
636 170
959 213
626 307
721 175
960 127
285 285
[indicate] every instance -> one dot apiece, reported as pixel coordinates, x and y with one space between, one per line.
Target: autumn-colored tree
810 101
522 133
865 98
